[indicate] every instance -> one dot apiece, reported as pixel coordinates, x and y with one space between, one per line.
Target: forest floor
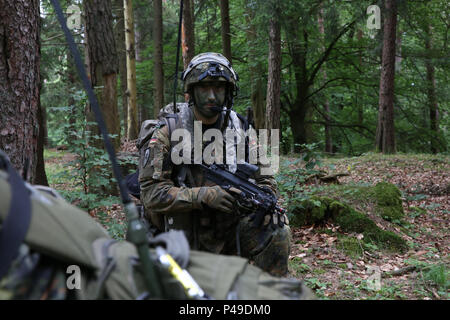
318 257
422 272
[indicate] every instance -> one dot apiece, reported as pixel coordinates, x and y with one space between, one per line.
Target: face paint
209 98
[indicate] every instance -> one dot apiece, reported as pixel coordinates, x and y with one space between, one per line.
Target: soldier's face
209 98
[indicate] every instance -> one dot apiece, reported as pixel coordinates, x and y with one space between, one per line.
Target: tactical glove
214 198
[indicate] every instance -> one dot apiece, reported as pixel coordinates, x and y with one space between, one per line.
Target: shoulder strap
172 122
246 126
244 120
17 221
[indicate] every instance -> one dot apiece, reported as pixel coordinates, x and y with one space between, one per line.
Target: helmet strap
229 101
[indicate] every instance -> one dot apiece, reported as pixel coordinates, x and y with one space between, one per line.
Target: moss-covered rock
310 211
318 210
389 201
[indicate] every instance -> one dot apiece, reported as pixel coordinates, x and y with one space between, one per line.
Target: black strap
17 221
172 122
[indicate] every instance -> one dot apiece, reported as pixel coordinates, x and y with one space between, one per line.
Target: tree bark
40 177
326 105
226 33
274 73
257 94
398 55
187 33
121 53
19 82
103 62
71 88
385 136
133 129
359 105
158 78
431 91
298 108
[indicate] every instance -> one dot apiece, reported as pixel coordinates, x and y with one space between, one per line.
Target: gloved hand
215 198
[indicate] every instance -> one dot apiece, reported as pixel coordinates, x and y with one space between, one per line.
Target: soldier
178 197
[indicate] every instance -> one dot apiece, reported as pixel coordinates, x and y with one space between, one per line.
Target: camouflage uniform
206 230
34 277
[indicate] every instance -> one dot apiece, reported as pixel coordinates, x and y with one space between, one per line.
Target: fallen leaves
419 253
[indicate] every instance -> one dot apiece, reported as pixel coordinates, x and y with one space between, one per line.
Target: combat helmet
210 66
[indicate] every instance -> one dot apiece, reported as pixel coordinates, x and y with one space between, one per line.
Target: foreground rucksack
62 242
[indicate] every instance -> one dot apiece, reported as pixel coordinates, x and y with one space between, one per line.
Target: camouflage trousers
268 248
34 277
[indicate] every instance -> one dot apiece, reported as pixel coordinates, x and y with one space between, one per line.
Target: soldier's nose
211 96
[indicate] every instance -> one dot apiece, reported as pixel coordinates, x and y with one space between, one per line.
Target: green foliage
352 66
89 172
439 275
351 247
436 274
318 286
298 267
117 229
294 172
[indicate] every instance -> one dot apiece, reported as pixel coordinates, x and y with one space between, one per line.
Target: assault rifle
253 200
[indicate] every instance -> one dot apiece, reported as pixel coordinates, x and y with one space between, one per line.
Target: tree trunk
71 88
133 129
297 118
121 53
158 78
226 33
274 73
257 94
326 105
299 107
385 136
431 90
40 177
19 82
398 55
103 63
360 105
187 33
